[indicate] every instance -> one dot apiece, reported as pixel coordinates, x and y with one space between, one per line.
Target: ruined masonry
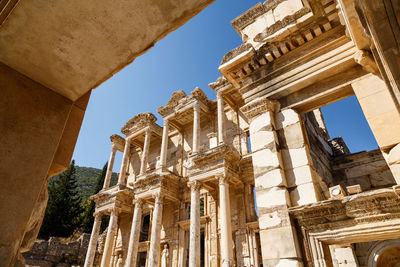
253 178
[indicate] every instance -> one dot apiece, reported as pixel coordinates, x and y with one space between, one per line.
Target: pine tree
63 212
88 219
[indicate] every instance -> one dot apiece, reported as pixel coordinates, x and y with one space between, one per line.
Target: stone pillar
110 167
125 162
135 233
296 159
194 242
226 224
164 145
91 250
221 118
154 252
383 116
279 243
108 246
196 127
145 154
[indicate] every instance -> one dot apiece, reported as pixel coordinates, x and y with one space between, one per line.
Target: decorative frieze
139 122
258 106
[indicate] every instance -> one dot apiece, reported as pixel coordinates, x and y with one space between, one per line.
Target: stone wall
55 252
368 169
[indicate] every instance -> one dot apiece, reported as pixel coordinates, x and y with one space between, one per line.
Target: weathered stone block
394 155
363 181
286 117
287 8
345 257
298 176
262 139
364 169
269 220
264 161
395 168
382 179
269 179
303 194
278 243
292 136
293 158
262 122
272 197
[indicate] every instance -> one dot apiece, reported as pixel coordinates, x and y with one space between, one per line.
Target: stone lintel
363 208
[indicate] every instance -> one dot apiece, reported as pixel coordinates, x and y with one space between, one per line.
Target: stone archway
385 254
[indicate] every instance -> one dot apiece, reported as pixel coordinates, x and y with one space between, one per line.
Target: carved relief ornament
259 106
138 122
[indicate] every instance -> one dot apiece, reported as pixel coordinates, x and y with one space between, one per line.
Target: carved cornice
180 100
220 84
235 52
172 103
259 106
138 122
286 21
118 141
200 95
366 207
248 17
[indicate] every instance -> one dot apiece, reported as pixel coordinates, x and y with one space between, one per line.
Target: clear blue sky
186 58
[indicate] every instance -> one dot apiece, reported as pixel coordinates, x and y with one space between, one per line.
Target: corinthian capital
223 179
158 198
258 106
194 185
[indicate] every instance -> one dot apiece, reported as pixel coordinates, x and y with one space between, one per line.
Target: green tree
89 205
63 212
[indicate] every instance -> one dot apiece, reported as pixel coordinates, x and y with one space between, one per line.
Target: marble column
108 246
125 162
154 252
164 145
145 154
110 167
196 127
94 237
135 233
226 225
194 242
221 118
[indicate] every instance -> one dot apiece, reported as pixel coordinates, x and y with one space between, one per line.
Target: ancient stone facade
253 178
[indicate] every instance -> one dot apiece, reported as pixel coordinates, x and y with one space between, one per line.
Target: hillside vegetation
86 178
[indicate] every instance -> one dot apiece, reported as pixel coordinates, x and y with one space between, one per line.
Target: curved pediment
173 102
138 122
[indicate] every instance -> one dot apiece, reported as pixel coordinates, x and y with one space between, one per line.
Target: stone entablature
164 183
116 197
180 102
221 160
364 208
138 122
